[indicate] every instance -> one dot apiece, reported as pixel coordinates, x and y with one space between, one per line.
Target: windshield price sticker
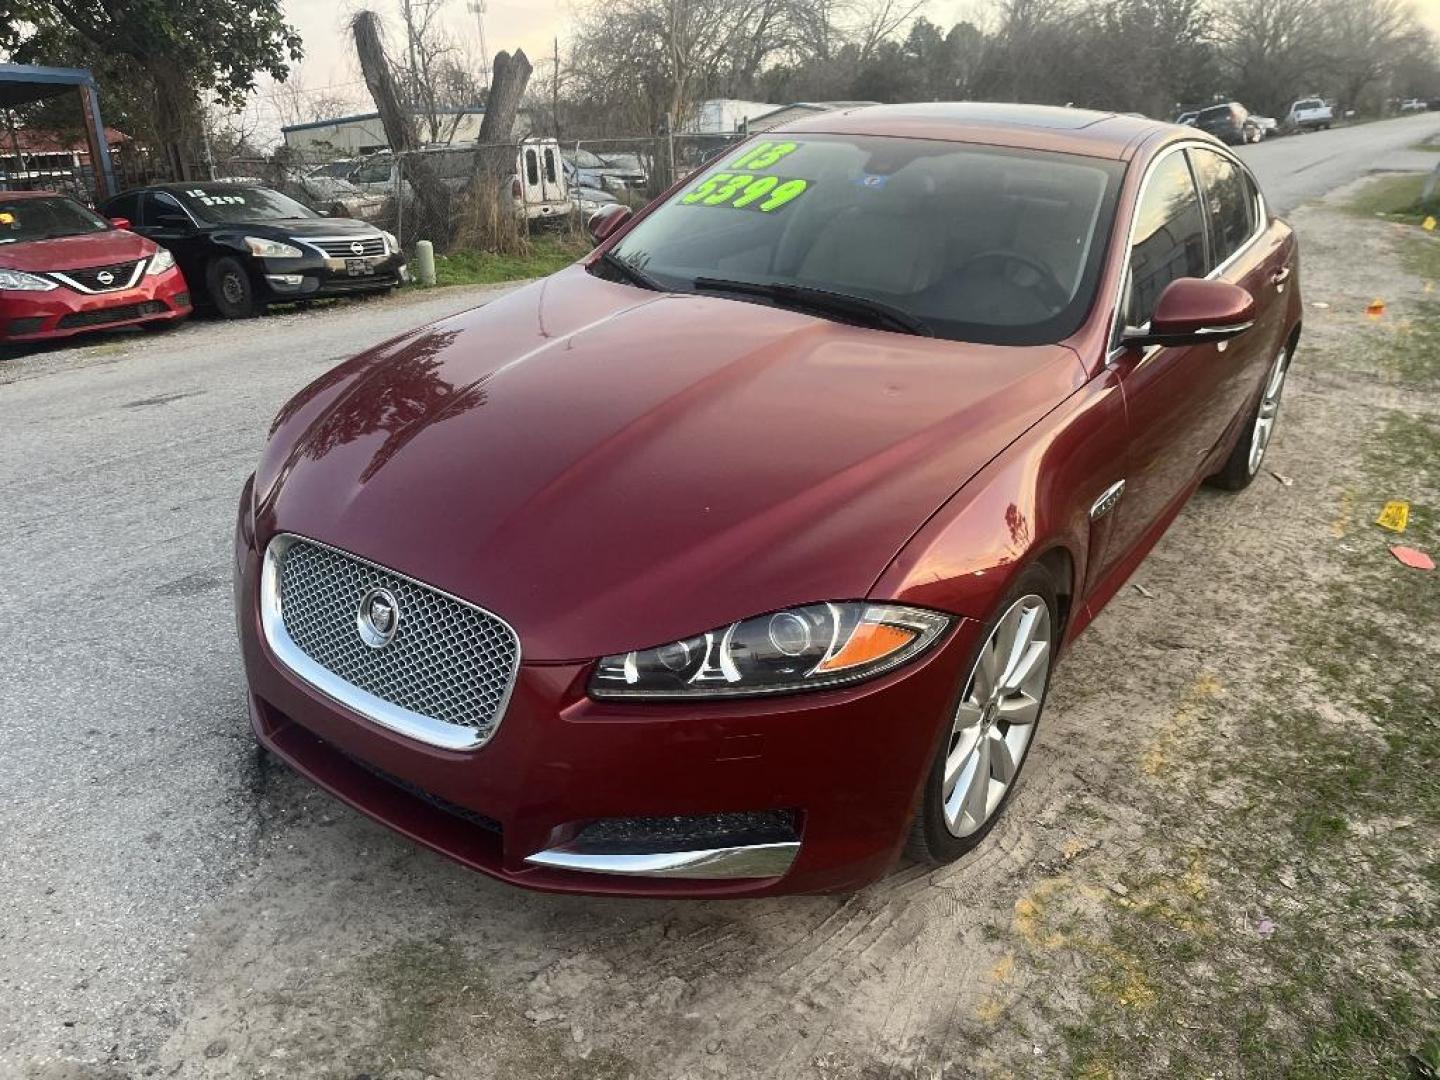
763 155
746 191
216 200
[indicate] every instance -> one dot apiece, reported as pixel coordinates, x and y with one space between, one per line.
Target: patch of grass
1421 254
1327 828
1430 145
547 255
1396 196
1414 359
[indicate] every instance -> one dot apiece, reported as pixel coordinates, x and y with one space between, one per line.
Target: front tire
1243 464
989 734
231 290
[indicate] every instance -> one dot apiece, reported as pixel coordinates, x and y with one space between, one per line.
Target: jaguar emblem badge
378 618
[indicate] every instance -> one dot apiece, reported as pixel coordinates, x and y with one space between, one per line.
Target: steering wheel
1041 280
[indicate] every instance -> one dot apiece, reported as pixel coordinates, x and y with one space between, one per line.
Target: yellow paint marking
1394 516
1003 969
1341 525
1156 759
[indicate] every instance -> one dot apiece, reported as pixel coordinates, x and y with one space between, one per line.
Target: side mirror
604 222
1196 312
120 222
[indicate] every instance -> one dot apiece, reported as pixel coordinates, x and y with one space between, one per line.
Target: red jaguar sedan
64 270
736 558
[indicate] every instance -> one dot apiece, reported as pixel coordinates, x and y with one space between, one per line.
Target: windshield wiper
632 274
875 312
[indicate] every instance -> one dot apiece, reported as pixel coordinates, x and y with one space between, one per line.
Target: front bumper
845 765
62 312
315 276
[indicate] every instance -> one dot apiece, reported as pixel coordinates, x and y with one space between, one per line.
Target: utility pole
477 8
555 91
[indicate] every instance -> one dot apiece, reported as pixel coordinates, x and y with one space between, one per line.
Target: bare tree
1365 41
296 103
439 78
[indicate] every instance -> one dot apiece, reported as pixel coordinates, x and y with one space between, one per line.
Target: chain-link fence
434 193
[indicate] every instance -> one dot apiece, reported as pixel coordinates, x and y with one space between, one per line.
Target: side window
1231 202
532 167
157 203
126 206
1169 241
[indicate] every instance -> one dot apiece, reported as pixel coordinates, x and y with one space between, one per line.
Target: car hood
306 228
608 468
75 252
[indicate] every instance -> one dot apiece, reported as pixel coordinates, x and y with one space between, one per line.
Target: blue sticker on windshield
872 180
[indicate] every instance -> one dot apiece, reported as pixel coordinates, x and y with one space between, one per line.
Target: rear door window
126 206
1230 201
1169 237
532 168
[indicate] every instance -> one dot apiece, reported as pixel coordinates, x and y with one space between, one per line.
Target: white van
539 187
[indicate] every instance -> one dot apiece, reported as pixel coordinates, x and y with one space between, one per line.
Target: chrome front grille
98 279
444 676
345 248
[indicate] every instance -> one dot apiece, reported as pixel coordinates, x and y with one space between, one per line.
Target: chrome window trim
1262 225
70 282
747 861
376 709
156 193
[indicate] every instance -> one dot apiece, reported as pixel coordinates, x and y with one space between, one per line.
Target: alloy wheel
995 720
1269 410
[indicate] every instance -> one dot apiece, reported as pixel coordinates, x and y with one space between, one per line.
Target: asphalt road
1300 167
125 764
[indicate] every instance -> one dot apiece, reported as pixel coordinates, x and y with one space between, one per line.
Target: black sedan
242 246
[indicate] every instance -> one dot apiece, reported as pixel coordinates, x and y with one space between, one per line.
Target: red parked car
736 559
64 269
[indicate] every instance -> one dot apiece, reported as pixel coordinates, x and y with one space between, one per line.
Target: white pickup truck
1309 114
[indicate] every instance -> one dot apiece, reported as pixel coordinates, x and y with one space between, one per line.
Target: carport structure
20 84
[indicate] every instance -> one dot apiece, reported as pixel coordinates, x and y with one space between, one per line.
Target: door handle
1280 277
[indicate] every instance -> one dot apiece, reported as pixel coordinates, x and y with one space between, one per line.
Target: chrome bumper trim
752 861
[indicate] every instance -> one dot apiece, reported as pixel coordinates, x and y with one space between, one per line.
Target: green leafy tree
160 58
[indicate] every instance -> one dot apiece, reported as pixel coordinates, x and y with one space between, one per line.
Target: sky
528 24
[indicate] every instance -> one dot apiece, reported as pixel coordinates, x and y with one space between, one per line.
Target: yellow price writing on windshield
745 191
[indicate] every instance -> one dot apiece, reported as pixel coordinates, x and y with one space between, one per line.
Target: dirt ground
1224 859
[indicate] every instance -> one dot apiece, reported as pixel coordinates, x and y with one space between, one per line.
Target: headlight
271 249
804 648
161 261
391 242
15 281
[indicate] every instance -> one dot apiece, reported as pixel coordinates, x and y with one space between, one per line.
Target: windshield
584 159
226 204
1217 112
979 243
45 219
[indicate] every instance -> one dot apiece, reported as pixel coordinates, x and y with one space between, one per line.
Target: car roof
1029 127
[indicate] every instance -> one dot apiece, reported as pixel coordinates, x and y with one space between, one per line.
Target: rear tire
986 739
1243 464
231 290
